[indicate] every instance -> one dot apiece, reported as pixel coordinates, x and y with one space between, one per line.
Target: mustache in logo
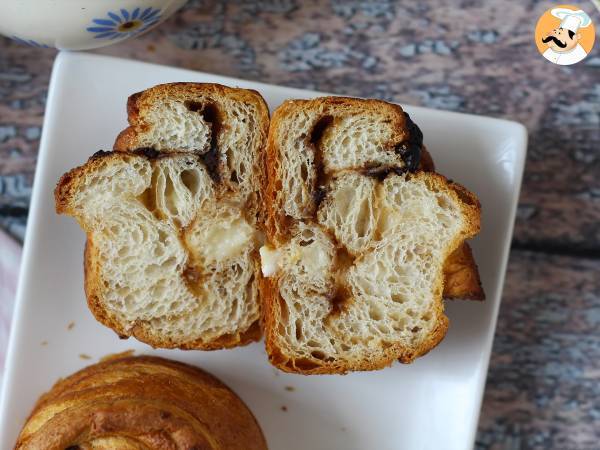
555 40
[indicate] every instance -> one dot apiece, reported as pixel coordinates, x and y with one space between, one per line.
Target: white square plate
432 404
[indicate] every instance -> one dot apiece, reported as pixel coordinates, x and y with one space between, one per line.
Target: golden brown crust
462 276
127 142
67 185
275 222
139 104
93 284
272 313
141 402
141 101
460 270
426 163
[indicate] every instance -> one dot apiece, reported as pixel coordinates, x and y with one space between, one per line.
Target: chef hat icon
572 20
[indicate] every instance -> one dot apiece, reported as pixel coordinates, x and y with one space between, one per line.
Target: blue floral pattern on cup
124 23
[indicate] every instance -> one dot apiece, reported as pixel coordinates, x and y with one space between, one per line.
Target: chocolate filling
410 149
148 152
211 159
342 295
320 181
100 154
380 173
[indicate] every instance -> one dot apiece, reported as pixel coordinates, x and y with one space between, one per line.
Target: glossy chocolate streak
320 183
380 173
410 149
148 152
210 114
100 154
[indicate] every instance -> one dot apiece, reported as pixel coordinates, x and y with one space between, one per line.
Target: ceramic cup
81 24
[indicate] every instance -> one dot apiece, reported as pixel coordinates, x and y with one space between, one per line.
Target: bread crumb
84 356
70 326
290 388
284 408
119 355
44 343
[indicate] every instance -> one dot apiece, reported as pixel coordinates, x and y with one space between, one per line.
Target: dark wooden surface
473 56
